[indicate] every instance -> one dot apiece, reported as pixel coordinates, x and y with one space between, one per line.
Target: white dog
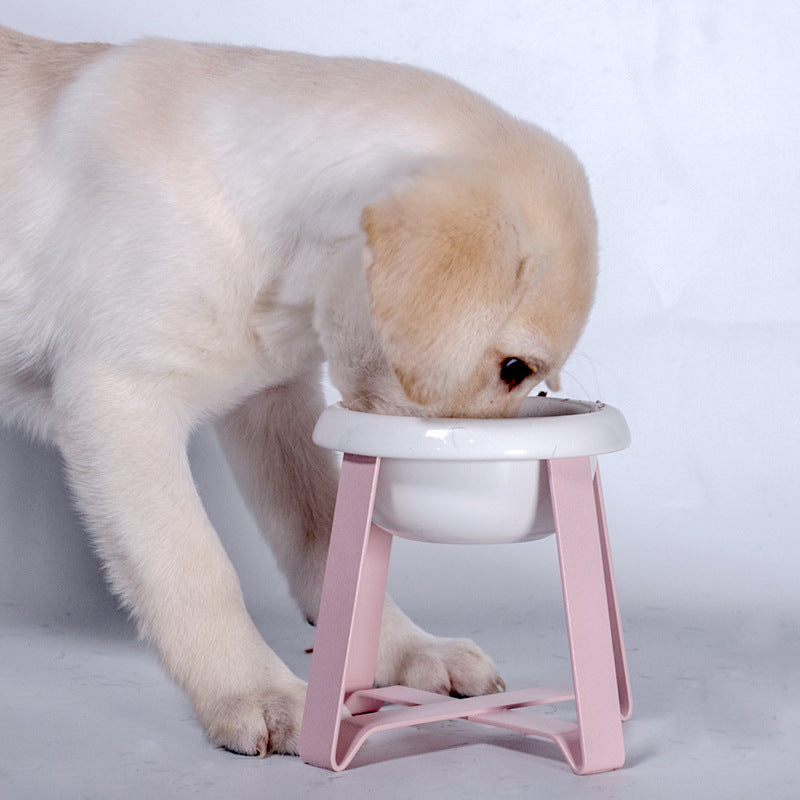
187 232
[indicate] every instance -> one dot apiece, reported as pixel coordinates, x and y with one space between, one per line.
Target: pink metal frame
345 649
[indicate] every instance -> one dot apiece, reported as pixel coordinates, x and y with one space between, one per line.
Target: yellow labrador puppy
187 232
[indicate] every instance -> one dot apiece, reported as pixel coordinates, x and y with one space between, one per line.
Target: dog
188 232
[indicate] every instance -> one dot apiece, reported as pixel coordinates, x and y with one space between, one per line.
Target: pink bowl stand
345 648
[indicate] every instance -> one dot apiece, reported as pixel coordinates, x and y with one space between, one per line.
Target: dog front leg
290 486
410 656
125 456
287 482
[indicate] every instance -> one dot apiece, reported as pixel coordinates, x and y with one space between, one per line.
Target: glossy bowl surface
463 481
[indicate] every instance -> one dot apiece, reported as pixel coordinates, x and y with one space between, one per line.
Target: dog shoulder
33 72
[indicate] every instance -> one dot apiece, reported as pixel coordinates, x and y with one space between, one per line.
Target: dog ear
443 262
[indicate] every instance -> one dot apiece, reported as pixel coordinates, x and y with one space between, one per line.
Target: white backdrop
687 120
686 117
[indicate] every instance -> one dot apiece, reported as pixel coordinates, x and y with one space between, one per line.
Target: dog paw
445 666
257 723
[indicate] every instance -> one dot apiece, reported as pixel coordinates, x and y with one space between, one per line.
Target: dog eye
513 371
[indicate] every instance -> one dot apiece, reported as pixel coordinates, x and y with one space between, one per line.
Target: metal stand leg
346 645
620 661
596 745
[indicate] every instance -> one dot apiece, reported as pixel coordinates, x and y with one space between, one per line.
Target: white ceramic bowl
470 481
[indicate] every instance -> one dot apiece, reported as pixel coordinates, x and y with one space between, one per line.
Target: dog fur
187 232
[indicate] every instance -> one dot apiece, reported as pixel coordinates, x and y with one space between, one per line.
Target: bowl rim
548 427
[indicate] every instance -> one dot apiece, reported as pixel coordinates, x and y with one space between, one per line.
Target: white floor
714 654
86 711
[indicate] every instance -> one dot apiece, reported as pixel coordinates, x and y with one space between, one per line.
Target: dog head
479 281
